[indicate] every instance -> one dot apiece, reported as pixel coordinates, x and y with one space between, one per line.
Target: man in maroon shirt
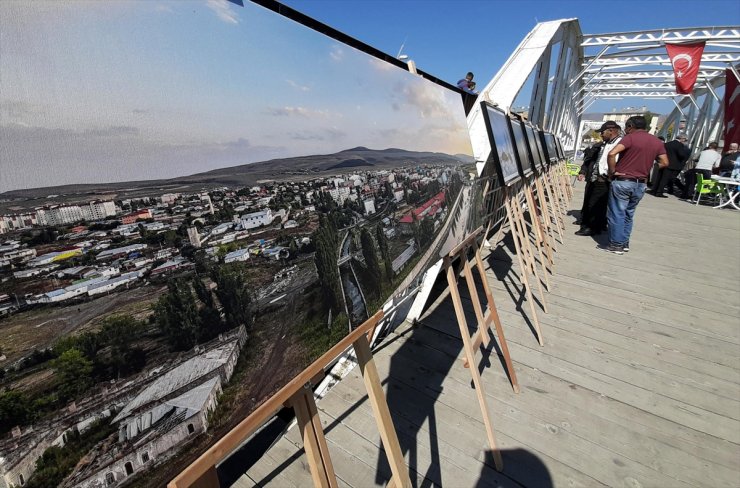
638 150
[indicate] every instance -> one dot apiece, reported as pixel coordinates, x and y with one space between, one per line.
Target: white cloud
298 86
299 112
223 11
336 53
381 65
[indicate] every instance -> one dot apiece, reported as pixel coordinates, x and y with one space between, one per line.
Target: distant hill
297 168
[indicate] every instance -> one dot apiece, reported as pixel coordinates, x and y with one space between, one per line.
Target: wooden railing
298 394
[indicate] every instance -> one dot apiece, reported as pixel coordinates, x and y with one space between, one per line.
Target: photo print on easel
502 143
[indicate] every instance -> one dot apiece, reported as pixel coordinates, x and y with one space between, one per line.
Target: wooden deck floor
638 384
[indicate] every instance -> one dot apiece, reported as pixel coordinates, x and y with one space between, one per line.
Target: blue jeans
623 199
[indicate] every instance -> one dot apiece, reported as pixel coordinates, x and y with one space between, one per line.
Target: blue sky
96 91
448 38
120 91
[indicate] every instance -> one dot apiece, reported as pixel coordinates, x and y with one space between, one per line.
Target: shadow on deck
638 383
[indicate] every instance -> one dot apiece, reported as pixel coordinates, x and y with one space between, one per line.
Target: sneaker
585 231
626 247
612 248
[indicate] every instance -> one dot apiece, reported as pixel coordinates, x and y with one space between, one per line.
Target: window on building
110 478
191 428
144 457
21 480
129 468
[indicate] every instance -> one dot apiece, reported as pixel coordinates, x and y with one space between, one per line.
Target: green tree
14 410
232 290
203 293
370 253
118 333
326 242
385 252
73 373
177 315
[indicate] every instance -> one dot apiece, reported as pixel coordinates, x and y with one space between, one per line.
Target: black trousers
593 212
690 188
664 180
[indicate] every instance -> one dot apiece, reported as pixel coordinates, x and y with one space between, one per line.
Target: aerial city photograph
250 243
170 258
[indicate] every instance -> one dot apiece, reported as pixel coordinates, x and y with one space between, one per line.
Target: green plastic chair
573 169
706 187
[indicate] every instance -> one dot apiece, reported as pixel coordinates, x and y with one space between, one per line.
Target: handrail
234 438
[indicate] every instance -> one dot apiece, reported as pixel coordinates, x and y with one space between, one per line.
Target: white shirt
603 165
708 159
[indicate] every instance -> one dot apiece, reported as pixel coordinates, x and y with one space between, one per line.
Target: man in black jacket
678 153
594 171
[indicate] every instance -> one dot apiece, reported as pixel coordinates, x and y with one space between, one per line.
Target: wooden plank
470 356
452 439
359 459
626 419
310 438
381 413
582 454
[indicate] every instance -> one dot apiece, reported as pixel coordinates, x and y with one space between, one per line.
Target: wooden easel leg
314 442
553 208
537 238
528 254
482 331
523 275
469 353
493 311
545 213
382 414
536 215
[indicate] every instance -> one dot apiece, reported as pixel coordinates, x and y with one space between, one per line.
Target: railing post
314 442
382 414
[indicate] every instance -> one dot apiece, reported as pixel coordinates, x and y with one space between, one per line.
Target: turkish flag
686 59
732 108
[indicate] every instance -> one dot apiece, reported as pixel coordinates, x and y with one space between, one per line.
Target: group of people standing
617 169
616 173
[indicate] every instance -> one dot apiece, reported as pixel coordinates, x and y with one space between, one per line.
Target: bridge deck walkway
638 384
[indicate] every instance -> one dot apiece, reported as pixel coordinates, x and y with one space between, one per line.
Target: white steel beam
663 35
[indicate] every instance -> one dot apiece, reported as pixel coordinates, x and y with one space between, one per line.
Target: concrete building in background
256 219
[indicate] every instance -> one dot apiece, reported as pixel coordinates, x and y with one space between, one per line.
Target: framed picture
551 147
522 148
561 152
547 158
503 149
534 146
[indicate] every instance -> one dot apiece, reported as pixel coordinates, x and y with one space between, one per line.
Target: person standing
678 153
708 159
637 150
596 196
727 164
464 84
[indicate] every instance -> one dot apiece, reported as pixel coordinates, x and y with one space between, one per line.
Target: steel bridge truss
567 71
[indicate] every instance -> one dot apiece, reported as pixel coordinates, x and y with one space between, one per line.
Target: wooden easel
312 432
520 233
553 202
481 336
534 225
539 222
523 253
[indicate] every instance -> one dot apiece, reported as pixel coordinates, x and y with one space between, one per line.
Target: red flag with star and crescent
686 59
732 108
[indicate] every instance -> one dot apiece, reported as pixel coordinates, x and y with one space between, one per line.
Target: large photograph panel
532 140
520 139
503 144
196 201
551 146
